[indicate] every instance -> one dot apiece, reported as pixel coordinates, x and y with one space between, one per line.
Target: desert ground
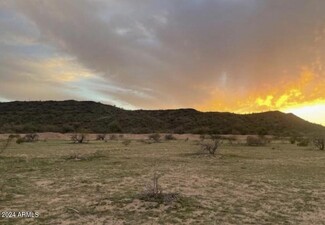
104 182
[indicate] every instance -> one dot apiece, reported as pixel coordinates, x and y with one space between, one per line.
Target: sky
241 56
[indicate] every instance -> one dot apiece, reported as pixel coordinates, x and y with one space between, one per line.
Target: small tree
31 137
101 137
154 189
319 143
293 140
211 148
154 137
12 136
303 142
113 137
231 139
255 141
169 137
79 138
154 193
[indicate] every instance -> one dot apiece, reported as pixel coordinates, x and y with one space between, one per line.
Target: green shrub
293 140
31 137
100 137
154 137
79 138
20 140
115 127
255 141
303 142
169 137
113 137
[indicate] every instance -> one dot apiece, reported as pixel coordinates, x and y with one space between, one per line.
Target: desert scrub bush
211 147
303 142
100 137
231 139
33 137
319 143
293 140
255 141
12 136
145 141
169 137
20 140
73 156
214 137
126 142
268 140
154 193
79 138
154 137
84 157
202 137
113 137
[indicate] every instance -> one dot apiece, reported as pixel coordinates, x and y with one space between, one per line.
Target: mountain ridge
88 116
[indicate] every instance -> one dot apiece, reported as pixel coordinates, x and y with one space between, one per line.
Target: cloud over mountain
209 54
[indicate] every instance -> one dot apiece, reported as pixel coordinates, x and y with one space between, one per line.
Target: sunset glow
313 112
302 97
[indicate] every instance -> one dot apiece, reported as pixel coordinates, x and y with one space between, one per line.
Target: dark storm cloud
179 53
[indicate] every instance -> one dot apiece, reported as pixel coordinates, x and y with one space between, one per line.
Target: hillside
74 116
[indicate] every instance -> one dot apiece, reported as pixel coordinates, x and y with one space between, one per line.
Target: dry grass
273 184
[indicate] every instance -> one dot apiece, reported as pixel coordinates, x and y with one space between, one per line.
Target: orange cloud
307 90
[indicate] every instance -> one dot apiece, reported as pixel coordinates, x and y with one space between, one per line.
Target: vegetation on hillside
75 117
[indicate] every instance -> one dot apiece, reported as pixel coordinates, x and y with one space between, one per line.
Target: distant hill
85 116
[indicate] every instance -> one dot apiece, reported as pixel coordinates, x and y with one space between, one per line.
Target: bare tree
154 137
113 137
31 137
319 143
303 142
101 137
169 137
154 189
79 138
154 192
255 141
211 148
